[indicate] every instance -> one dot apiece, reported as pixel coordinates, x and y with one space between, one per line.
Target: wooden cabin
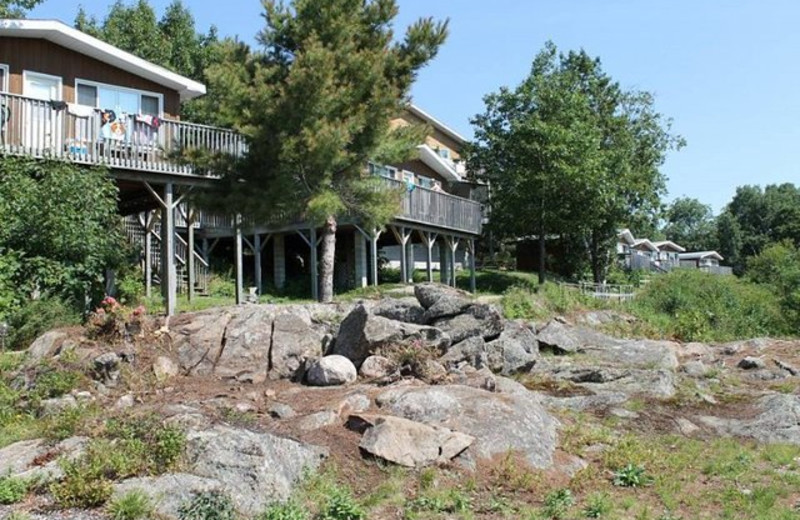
67 95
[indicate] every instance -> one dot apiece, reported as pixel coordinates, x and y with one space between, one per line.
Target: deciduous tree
691 224
17 8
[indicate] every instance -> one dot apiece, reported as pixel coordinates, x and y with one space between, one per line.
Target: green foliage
53 382
16 8
130 289
691 224
557 503
35 317
84 483
632 476
569 133
518 303
12 489
341 505
220 286
287 511
133 505
316 105
209 505
146 437
695 306
778 267
597 505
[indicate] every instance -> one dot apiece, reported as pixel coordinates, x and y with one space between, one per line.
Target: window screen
87 95
150 105
3 79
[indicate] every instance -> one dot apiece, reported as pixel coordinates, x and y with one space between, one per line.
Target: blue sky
727 72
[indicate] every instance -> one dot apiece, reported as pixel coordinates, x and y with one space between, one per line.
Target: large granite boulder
255 468
409 443
361 334
399 310
515 351
333 370
168 492
500 422
428 294
23 459
475 320
294 342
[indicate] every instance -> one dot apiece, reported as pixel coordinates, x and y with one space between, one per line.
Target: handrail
43 129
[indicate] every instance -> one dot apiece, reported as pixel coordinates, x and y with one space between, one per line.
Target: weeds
133 505
12 489
632 476
209 505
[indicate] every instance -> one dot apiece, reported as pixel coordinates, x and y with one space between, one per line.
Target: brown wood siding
436 139
37 55
420 168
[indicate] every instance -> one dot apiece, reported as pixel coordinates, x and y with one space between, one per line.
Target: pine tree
316 105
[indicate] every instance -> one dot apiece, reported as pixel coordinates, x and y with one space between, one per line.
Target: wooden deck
34 128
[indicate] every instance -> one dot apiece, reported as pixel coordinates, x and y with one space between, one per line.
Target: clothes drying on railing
113 127
5 115
151 121
81 111
58 106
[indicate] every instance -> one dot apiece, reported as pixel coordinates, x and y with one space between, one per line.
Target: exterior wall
436 140
420 168
392 255
38 55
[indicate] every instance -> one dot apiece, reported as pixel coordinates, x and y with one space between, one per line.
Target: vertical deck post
361 258
411 262
148 253
257 261
314 266
429 239
279 261
402 236
444 264
453 249
238 260
373 245
169 281
472 281
190 214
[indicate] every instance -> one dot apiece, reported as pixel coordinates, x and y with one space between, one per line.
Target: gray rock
164 368
629 381
476 320
294 342
750 363
471 350
399 310
499 422
168 492
361 334
46 345
19 459
331 370
124 402
198 339
281 411
105 367
446 306
778 421
695 369
686 427
581 403
515 351
244 349
317 420
56 405
355 403
559 337
409 443
428 294
603 317
256 468
378 367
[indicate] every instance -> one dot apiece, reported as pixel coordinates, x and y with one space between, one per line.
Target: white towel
80 110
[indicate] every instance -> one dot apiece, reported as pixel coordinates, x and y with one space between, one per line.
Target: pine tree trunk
596 258
327 256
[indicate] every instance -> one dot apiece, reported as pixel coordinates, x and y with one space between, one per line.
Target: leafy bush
695 306
518 303
632 476
221 286
342 506
288 511
778 267
133 505
84 484
209 505
557 503
12 489
35 317
130 286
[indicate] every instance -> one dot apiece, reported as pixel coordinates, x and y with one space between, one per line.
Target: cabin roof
75 40
700 255
669 244
437 124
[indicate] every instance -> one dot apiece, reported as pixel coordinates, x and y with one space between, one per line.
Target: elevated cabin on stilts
67 95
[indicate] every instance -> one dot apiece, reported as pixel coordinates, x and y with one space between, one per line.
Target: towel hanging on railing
57 105
5 115
151 121
80 110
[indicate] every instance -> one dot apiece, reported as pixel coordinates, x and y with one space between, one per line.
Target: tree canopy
316 104
569 153
171 41
691 224
17 8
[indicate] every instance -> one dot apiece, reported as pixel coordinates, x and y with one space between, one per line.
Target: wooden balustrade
37 128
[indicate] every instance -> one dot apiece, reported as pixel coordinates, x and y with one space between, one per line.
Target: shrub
557 503
133 505
130 287
287 511
36 317
632 476
695 306
518 303
597 506
778 267
342 506
221 287
84 483
12 489
209 505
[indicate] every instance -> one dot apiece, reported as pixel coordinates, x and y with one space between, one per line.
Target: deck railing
37 128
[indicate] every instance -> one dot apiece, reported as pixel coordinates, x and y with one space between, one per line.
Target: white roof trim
626 236
670 244
645 242
438 164
73 39
700 255
437 124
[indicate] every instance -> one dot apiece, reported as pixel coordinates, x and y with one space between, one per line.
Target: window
444 153
3 78
383 171
118 99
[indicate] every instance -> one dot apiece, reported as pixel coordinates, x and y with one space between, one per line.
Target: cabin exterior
67 95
